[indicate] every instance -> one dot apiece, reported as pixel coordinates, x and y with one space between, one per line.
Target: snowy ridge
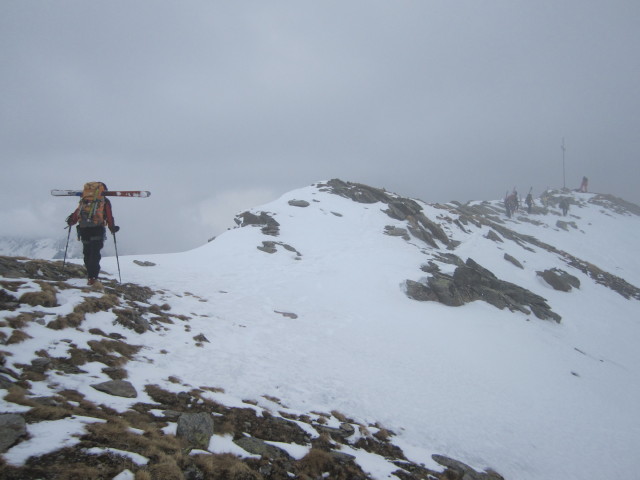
306 303
43 248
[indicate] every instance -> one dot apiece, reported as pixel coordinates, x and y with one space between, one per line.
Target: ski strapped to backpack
91 209
106 193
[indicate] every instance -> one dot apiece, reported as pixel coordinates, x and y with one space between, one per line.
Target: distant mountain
344 332
43 248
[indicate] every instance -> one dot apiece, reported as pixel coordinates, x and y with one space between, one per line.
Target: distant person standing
529 202
564 205
92 215
584 185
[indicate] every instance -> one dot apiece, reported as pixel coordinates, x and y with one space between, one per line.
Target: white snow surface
532 399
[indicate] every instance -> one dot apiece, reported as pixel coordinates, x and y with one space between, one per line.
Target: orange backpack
91 209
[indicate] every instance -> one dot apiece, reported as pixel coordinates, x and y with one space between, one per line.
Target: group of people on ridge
512 201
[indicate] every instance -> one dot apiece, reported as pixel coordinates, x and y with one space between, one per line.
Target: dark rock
259 447
117 388
298 203
559 279
40 365
396 232
269 225
144 264
491 235
287 314
201 338
196 429
269 246
12 428
471 282
509 258
566 225
464 471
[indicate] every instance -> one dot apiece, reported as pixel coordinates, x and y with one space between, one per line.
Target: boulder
12 428
196 429
117 388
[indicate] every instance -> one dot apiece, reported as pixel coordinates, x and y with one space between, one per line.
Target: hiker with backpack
92 215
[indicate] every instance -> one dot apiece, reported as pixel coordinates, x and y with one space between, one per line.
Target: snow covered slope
309 302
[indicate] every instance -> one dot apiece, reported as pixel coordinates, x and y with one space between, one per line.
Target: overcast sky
219 106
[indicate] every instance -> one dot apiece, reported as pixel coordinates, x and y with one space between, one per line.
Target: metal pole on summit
115 244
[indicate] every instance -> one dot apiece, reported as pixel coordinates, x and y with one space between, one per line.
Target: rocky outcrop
471 282
398 208
559 279
269 226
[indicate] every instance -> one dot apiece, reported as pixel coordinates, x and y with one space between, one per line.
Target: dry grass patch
17 395
46 297
225 466
17 336
42 412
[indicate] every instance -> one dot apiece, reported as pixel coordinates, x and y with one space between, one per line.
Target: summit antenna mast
564 182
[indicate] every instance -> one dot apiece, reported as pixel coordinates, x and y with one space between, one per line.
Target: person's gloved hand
114 229
69 220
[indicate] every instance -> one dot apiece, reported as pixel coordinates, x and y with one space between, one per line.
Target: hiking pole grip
115 244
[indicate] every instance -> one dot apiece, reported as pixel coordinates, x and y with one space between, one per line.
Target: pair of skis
108 193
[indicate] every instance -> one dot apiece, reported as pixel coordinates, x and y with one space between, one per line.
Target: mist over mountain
341 331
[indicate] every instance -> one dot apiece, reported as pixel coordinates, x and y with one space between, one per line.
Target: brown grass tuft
316 462
17 336
42 412
17 395
224 466
46 297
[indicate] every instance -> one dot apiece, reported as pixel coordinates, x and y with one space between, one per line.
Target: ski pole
115 244
64 261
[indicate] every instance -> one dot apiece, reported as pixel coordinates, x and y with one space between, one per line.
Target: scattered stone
298 203
196 429
117 388
511 259
565 225
144 264
201 338
12 428
287 314
259 447
559 279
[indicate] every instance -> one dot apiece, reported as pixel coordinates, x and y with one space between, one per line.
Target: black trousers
92 242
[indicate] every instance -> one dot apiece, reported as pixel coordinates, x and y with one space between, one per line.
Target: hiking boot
91 281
